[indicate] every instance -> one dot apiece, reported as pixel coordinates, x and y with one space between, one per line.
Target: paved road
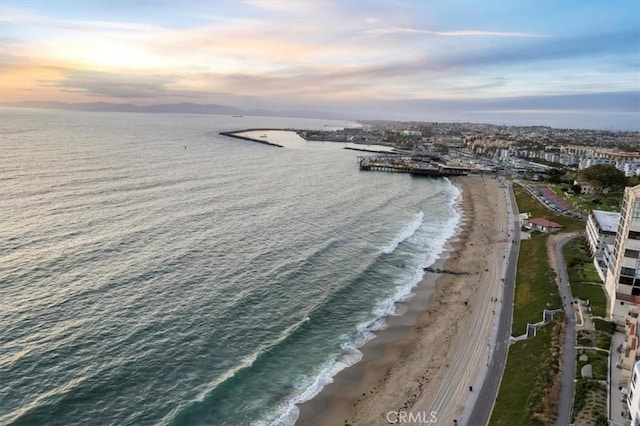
487 395
569 354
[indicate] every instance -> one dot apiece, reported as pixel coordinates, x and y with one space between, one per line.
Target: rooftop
540 221
608 221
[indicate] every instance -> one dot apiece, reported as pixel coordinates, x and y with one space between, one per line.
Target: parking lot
552 201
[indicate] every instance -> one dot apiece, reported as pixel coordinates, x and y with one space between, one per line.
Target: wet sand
424 362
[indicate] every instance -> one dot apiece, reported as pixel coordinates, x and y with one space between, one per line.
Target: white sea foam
350 352
290 411
405 233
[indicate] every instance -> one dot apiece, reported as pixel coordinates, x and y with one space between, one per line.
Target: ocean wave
289 409
405 233
365 331
246 362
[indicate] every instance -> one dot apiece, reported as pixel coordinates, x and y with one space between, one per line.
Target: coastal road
565 404
486 398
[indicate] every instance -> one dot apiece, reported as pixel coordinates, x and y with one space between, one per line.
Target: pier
409 164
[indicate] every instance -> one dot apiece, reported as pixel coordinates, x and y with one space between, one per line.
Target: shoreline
435 347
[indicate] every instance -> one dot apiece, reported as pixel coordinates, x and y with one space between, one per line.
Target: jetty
409 164
444 271
236 134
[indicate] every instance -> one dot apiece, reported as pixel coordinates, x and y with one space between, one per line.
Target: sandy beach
425 361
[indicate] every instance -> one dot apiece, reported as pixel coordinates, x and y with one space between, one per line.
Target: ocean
155 272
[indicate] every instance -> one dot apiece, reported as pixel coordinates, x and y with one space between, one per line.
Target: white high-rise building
623 277
633 396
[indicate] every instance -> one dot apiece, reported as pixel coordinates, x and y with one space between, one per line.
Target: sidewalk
479 404
565 403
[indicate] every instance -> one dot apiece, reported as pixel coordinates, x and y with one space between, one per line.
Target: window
634 254
634 377
636 214
625 280
627 271
635 291
634 235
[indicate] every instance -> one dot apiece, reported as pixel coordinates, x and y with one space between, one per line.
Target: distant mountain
182 108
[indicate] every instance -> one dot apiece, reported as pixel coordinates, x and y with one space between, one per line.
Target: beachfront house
542 225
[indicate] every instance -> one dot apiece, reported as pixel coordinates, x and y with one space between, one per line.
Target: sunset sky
568 63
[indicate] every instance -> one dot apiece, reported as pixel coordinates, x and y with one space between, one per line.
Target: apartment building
622 282
633 396
600 232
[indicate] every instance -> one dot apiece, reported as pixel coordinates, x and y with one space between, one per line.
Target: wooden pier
407 164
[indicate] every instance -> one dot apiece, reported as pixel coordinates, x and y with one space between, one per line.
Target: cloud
615 102
12 15
114 85
622 42
285 5
538 50
458 33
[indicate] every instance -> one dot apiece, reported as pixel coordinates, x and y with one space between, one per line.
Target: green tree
603 176
555 175
633 181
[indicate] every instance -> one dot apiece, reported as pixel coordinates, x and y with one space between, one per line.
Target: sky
560 63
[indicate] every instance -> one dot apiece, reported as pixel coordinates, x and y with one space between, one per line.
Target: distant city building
592 161
600 232
412 133
623 277
552 157
631 169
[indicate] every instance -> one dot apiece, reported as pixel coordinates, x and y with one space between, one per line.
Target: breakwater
236 134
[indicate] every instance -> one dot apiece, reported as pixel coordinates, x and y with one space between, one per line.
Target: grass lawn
594 293
536 288
584 203
602 325
528 204
590 273
520 379
583 278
